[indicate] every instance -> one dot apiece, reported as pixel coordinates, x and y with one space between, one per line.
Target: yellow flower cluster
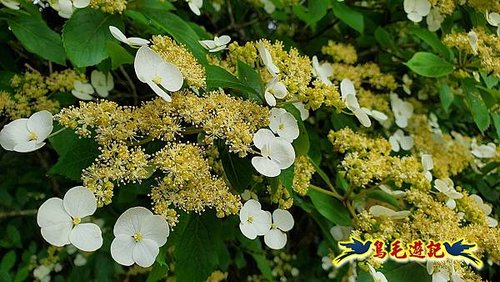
32 92
340 52
364 73
374 101
282 197
367 160
177 54
449 155
321 94
222 117
446 7
118 164
109 6
487 48
188 184
303 172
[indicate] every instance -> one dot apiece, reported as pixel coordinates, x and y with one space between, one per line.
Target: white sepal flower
161 76
282 222
380 211
217 44
400 141
11 4
377 275
427 165
304 113
434 20
65 8
284 124
445 186
27 134
349 96
322 71
402 110
268 6
486 209
274 90
493 19
276 153
388 190
483 151
82 91
341 233
253 220
416 9
134 42
102 83
377 115
267 60
139 234
195 6
60 220
473 41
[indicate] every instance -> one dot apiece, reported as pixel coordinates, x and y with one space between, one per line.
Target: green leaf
119 55
179 30
8 261
476 104
349 16
85 35
254 248
75 154
429 65
331 208
384 38
286 178
251 77
22 274
396 271
496 121
37 37
384 197
157 273
197 250
446 97
219 77
238 170
315 11
431 39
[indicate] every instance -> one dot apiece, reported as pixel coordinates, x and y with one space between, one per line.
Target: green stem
142 142
57 132
324 191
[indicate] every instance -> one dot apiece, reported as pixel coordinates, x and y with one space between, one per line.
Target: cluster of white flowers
27 134
402 110
416 10
256 222
400 141
138 233
101 82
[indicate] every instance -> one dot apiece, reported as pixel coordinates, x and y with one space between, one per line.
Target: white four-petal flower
483 151
217 44
284 124
253 220
274 89
60 220
134 42
445 186
276 153
322 71
304 113
402 110
434 19
486 209
27 134
267 60
400 141
102 83
282 222
349 96
82 91
65 8
160 75
416 9
139 234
